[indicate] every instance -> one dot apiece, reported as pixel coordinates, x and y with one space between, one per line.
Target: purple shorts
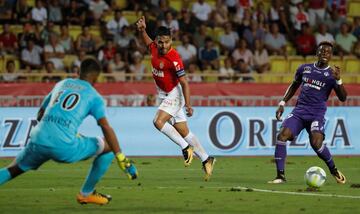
296 123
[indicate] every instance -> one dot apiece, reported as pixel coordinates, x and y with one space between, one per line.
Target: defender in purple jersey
317 80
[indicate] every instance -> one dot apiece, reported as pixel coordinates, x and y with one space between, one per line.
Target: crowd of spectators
229 36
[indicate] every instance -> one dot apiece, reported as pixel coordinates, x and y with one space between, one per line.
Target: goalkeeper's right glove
126 166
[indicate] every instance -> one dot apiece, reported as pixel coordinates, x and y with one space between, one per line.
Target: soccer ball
315 177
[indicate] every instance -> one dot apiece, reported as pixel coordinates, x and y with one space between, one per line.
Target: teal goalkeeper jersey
66 106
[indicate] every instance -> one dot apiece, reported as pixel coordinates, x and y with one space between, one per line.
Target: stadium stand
77 14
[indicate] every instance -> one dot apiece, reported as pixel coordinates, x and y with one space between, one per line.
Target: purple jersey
316 86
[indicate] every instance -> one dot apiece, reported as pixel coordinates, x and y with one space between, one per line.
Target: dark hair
10 62
163 31
88 66
325 43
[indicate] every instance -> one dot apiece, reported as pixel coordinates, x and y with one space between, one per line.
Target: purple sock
280 156
325 155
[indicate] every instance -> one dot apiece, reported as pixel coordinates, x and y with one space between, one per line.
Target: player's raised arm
290 91
339 88
141 27
186 91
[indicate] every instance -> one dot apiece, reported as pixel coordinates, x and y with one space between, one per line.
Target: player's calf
188 154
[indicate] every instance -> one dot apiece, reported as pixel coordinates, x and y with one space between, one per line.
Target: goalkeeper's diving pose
55 137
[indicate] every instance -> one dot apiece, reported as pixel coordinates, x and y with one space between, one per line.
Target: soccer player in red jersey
174 93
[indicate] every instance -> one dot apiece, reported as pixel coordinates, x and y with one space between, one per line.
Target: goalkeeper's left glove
126 166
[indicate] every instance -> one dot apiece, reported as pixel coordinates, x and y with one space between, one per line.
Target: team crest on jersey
161 65
307 70
326 74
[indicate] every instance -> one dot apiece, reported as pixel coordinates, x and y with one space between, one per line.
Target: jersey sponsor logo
161 65
158 73
58 120
316 84
326 74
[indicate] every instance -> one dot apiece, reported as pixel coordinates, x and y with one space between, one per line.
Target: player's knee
283 137
158 123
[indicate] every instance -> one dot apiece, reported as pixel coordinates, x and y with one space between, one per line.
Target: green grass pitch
166 186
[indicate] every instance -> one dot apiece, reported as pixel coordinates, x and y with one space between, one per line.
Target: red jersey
166 69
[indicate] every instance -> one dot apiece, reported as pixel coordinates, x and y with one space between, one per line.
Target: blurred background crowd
218 40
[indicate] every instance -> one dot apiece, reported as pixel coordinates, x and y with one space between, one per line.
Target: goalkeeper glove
126 166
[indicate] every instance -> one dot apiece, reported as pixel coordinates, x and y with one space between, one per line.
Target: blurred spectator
220 15
55 13
300 17
260 12
98 8
274 12
243 70
275 42
345 40
316 10
54 52
305 42
356 27
201 10
208 55
115 25
86 41
193 72
337 5
261 58
66 41
107 53
226 71
77 62
50 69
322 35
10 74
171 23
285 24
231 5
242 52
200 36
31 56
8 40
25 34
247 4
47 31
134 46
253 33
162 8
75 14
243 22
334 23
187 51
187 23
118 67
229 39
137 67
39 12
123 40
22 11
356 49
6 11
150 100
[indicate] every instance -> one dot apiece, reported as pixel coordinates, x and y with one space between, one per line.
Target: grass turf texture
166 186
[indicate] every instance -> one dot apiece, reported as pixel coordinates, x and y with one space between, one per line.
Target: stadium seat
31 3
177 4
95 30
290 49
216 33
295 62
74 31
69 60
147 63
278 64
131 16
2 64
120 4
288 78
336 60
108 17
351 65
354 8
16 29
310 59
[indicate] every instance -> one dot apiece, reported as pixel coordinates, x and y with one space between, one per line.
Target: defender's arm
339 88
186 91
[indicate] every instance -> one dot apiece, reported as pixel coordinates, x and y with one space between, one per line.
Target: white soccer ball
315 177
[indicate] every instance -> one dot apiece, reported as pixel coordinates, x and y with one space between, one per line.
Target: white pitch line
298 193
213 187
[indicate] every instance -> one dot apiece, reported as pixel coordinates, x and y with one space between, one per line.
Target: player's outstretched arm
141 27
339 88
111 139
291 90
186 91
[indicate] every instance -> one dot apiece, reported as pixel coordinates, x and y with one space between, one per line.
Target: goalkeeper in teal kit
56 138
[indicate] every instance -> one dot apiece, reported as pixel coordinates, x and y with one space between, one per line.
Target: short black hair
328 43
88 66
163 31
